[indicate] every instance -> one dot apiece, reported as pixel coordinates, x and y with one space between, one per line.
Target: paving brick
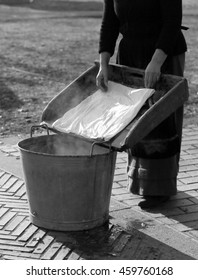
123 183
121 243
4 193
132 247
62 253
36 239
188 186
187 194
4 232
6 218
17 205
189 157
14 223
21 228
190 137
15 258
3 211
9 199
116 185
177 203
14 248
167 221
18 184
166 212
120 171
186 226
190 209
7 237
23 212
122 177
10 182
194 199
193 173
122 155
41 247
193 233
132 202
183 175
12 242
187 168
120 191
123 197
1 173
15 254
121 165
115 206
75 255
188 162
187 217
28 233
51 251
180 227
119 160
192 151
20 192
4 178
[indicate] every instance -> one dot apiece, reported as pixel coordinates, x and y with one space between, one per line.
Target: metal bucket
68 181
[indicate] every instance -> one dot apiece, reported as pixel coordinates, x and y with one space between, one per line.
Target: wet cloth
103 115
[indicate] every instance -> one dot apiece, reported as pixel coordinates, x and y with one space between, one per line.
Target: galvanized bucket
68 181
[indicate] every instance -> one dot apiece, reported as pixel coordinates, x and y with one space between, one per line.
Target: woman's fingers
102 81
151 79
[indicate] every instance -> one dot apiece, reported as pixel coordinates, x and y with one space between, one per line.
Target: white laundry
102 115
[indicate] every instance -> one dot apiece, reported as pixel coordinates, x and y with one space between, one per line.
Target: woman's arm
108 35
171 12
109 30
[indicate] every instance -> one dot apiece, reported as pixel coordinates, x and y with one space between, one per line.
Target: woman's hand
153 69
152 74
102 78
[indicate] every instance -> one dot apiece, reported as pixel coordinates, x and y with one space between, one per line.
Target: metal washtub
68 181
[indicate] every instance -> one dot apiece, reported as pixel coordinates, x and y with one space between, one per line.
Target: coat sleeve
171 11
109 30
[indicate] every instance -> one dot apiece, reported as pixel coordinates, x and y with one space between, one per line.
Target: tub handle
95 143
38 126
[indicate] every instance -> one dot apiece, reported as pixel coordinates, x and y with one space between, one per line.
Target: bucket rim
22 149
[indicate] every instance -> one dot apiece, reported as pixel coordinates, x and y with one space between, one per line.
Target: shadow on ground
188 205
113 242
9 99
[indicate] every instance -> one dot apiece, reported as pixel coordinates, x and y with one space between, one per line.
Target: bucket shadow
8 99
111 242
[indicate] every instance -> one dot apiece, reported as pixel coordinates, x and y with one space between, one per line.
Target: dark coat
146 24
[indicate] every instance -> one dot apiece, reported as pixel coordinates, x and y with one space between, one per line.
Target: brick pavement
169 232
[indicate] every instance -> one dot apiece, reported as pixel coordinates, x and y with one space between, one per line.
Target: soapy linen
102 115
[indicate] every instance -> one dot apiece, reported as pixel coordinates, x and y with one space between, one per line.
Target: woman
151 40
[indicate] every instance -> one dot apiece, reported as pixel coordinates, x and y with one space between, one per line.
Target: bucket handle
96 143
38 126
